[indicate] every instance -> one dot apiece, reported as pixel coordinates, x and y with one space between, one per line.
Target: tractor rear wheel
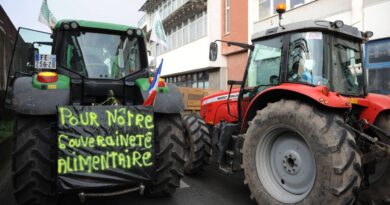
197 144
169 148
378 192
33 160
296 154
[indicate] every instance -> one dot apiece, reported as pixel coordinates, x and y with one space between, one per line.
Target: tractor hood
220 96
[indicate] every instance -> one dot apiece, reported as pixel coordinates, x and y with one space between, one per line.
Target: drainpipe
357 14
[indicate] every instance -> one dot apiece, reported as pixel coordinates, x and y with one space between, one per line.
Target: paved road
209 188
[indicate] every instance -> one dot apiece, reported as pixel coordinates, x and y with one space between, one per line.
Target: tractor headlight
66 26
130 32
74 25
139 32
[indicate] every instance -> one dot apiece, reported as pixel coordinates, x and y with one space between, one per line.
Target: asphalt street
209 188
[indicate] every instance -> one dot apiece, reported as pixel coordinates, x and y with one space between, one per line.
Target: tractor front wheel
295 154
169 160
33 160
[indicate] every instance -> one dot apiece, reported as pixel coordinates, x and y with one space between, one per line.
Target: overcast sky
25 13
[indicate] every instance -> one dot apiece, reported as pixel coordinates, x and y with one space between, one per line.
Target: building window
170 9
267 8
188 31
180 37
194 80
157 50
192 29
185 33
165 11
199 27
227 16
205 23
296 3
174 39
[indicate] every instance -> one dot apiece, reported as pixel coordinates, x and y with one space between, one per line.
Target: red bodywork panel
214 107
374 104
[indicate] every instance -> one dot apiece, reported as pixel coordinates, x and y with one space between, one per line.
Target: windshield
306 64
347 71
100 55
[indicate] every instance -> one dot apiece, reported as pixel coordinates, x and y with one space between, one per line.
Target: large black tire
198 144
33 160
169 145
378 192
336 162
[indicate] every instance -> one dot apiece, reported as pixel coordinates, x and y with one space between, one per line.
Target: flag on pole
153 86
45 16
158 32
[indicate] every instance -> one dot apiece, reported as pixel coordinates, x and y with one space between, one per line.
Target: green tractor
81 125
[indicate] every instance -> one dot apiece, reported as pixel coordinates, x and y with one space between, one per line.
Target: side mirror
213 53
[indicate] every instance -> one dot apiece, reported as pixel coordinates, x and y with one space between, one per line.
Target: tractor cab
86 60
302 59
94 53
312 57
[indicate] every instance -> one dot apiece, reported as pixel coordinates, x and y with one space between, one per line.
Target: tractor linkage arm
382 148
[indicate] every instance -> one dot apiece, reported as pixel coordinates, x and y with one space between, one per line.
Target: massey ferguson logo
233 97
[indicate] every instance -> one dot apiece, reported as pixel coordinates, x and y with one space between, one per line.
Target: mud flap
104 147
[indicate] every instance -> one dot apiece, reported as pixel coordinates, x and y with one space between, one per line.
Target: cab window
306 64
265 63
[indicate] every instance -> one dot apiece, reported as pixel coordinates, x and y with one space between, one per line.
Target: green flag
158 33
45 16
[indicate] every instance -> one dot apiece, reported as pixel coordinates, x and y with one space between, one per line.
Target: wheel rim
285 165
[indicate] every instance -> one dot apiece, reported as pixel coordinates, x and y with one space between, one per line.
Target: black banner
104 146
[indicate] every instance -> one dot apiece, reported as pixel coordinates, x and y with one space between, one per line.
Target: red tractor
301 125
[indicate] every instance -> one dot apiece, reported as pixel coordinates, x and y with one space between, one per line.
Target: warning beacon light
280 9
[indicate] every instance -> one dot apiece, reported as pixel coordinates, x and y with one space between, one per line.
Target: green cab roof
97 25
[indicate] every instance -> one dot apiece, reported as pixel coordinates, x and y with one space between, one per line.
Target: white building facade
367 15
190 26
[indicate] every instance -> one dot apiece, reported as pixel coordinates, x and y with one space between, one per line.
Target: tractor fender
170 102
374 105
301 92
32 101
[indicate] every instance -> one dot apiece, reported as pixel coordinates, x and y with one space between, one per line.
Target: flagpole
157 36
